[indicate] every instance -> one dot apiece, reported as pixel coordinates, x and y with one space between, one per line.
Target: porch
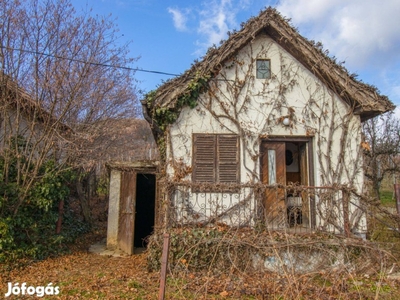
292 208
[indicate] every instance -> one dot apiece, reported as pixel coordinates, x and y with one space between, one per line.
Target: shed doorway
137 210
145 209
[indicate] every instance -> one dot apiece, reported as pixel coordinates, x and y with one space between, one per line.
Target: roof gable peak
363 98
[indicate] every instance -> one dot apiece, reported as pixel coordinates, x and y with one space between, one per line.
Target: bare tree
63 76
382 135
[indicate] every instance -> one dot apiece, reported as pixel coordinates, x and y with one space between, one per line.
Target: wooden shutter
204 156
228 158
216 158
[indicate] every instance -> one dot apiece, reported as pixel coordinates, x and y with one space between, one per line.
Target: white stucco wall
252 108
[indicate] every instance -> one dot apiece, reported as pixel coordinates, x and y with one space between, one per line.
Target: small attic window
263 68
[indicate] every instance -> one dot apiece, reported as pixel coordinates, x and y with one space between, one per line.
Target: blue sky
168 35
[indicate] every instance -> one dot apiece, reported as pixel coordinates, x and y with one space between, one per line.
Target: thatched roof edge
365 99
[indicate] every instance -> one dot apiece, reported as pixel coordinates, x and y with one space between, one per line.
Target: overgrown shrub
195 248
27 227
222 249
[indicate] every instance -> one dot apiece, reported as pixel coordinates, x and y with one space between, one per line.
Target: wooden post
397 195
164 263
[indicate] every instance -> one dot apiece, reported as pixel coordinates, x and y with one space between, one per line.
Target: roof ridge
359 95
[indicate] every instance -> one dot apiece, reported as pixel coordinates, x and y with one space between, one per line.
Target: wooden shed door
126 226
273 164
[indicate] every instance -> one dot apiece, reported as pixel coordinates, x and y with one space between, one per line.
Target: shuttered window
216 158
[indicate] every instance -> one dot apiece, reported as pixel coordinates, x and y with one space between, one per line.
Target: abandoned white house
264 131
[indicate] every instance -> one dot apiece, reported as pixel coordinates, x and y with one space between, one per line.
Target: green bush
27 223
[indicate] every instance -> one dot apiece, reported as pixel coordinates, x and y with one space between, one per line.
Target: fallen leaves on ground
84 275
90 276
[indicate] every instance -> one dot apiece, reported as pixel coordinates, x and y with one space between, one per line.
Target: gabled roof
126 140
365 99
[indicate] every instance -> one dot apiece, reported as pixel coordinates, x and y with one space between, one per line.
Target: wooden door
305 207
273 164
126 226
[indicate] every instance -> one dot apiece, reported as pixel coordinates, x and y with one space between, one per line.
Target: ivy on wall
164 116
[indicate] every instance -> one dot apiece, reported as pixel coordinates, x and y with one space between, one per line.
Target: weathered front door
273 164
305 207
126 226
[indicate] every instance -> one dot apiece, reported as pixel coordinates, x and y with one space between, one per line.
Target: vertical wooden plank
304 182
126 226
275 208
164 264
157 208
311 178
397 195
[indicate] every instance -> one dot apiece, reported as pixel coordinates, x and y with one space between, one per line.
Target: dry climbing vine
233 102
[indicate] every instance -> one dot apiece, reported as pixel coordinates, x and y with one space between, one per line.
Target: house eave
138 166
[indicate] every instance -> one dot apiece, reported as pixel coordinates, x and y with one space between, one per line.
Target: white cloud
303 11
359 31
244 4
216 18
179 18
